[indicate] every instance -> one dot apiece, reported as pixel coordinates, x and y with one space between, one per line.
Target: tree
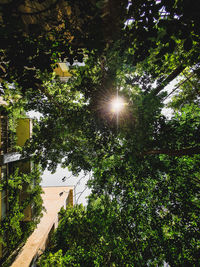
143 212
148 206
36 35
96 239
142 172
188 90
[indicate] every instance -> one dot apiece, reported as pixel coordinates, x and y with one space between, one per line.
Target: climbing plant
14 229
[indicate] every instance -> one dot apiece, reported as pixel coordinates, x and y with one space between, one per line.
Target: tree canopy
144 206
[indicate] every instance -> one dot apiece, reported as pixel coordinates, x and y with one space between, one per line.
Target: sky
81 191
168 111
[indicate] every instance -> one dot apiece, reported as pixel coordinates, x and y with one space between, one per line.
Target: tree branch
170 78
188 78
170 152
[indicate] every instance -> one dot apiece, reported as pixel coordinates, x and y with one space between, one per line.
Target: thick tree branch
188 79
170 152
170 78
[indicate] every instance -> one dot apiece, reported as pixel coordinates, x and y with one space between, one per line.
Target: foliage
13 229
147 184
188 90
33 42
144 206
83 238
150 216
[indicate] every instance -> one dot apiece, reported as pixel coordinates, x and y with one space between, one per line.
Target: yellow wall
27 214
70 197
62 70
23 131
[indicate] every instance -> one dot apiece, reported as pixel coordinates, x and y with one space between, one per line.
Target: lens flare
117 105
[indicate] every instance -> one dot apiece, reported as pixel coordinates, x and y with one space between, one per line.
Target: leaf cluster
13 229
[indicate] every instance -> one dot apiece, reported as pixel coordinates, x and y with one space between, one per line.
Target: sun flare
117 105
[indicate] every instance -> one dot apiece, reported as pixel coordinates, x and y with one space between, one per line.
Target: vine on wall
14 230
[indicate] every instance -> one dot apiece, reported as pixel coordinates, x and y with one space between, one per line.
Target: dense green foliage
33 42
144 207
20 185
23 191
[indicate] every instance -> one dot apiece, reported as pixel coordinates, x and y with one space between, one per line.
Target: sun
117 105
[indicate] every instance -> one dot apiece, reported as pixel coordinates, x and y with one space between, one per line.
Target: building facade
10 161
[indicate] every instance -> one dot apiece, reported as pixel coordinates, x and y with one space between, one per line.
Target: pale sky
79 183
